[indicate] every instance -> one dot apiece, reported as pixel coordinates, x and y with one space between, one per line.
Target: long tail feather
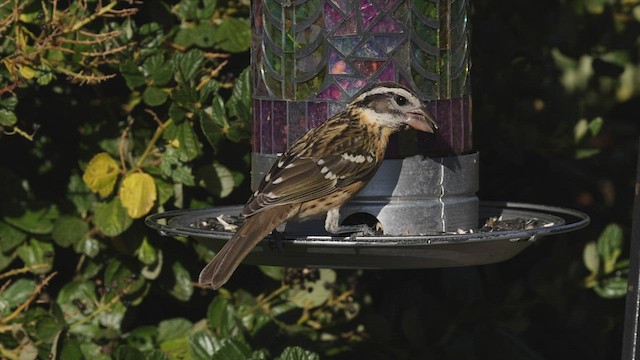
253 230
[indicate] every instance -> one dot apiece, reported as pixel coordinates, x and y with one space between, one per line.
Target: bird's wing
305 173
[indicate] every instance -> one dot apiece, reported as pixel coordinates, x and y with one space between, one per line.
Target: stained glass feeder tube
309 57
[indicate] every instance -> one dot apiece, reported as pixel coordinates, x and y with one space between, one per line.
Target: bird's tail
251 232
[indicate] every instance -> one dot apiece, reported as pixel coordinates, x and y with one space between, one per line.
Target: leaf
121 279
88 246
297 353
69 230
188 65
158 70
595 125
232 348
47 327
146 253
239 105
77 299
154 96
111 218
16 294
610 246
7 118
132 75
80 195
101 174
590 257
314 293
213 122
201 346
126 352
173 329
35 221
217 179
10 237
142 338
138 194
613 288
233 35
184 140
182 284
165 190
38 255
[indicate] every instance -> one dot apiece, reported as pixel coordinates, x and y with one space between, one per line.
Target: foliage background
158 89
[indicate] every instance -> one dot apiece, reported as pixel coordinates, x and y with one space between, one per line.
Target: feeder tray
505 230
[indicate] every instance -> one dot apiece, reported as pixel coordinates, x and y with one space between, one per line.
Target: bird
322 170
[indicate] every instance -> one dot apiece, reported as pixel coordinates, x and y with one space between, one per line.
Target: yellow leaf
138 194
101 174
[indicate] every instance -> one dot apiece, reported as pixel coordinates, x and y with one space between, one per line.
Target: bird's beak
422 120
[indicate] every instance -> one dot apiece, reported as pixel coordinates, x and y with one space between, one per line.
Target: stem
22 270
26 304
268 298
152 142
103 10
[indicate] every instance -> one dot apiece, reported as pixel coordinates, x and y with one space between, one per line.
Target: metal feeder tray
293 249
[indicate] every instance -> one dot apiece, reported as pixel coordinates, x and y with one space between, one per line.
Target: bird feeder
308 59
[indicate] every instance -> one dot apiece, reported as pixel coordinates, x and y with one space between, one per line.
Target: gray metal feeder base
384 252
412 195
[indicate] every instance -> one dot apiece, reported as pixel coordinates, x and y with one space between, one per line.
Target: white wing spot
324 170
358 159
280 163
290 165
330 176
268 177
320 162
278 180
256 193
271 195
369 159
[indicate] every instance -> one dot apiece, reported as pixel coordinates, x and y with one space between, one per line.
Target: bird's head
393 106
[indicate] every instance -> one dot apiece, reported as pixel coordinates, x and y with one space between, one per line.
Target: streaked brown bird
322 170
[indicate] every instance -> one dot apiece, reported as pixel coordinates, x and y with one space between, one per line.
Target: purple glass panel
348 27
342 5
279 127
368 12
345 44
386 25
266 127
297 124
333 92
316 114
256 126
368 67
388 73
351 85
338 65
370 50
332 17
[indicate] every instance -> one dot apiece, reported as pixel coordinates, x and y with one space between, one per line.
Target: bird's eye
400 100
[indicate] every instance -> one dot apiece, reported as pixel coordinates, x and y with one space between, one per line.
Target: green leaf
232 348
47 328
16 294
274 272
146 253
122 279
125 352
182 284
158 70
35 221
142 338
184 140
154 96
10 237
173 329
7 118
201 346
165 190
111 217
77 300
314 293
297 353
69 231
239 105
70 349
221 317
217 179
88 246
610 246
93 351
590 257
613 288
188 65
38 255
132 75
80 195
233 35
213 122
595 126
175 169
